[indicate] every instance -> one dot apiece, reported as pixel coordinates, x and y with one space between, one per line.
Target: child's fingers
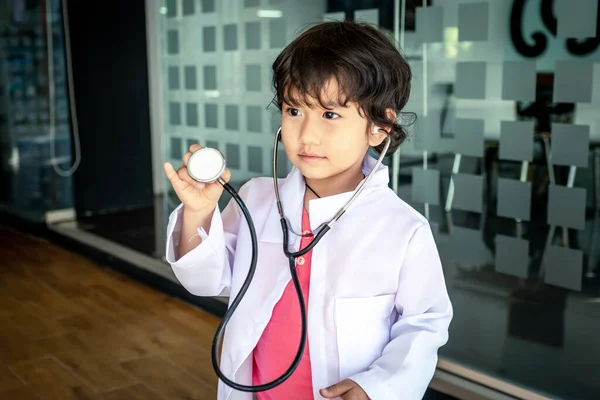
170 172
338 389
186 157
195 147
176 181
185 176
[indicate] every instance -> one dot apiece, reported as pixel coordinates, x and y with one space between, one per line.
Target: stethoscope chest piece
206 165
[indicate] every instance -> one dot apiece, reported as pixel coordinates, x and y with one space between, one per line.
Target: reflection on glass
35 128
522 267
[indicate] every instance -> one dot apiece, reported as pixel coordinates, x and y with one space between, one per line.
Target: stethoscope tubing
292 256
234 304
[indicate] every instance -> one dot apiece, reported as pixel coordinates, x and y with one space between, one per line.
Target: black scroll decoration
574 46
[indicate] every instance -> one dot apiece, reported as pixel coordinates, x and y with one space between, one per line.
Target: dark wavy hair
368 68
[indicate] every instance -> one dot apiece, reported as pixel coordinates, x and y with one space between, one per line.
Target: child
377 305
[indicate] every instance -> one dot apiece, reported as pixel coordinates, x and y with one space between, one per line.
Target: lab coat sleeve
206 270
409 360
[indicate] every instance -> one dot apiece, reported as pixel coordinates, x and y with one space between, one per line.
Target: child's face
323 143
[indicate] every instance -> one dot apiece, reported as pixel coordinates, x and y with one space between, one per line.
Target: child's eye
294 112
331 115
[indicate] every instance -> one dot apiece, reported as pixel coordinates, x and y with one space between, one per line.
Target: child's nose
310 133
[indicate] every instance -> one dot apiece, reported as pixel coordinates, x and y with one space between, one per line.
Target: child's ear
378 134
391 116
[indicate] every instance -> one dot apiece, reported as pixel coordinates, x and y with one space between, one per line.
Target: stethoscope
207 165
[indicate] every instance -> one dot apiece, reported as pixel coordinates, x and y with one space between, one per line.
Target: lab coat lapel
322 210
291 192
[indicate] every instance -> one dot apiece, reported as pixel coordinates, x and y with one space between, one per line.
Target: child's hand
199 198
346 389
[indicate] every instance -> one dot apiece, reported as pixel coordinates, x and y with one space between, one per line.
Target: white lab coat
378 309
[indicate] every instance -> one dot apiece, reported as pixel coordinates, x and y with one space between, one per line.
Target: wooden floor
73 329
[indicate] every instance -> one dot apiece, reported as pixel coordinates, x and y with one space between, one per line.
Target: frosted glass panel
253 78
426 186
468 192
516 140
173 78
175 113
514 199
518 80
208 6
570 144
211 115
233 155
230 37
231 117
566 207
255 161
470 80
429 23
171 8
276 34
254 115
573 81
576 19
209 39
191 114
188 7
210 77
564 267
473 24
468 137
190 77
511 256
252 35
173 42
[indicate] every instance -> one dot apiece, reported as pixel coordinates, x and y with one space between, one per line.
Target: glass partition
503 159
507 97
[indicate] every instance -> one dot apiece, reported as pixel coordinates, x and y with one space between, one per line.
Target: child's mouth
311 158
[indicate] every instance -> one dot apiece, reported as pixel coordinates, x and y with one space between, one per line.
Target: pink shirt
279 342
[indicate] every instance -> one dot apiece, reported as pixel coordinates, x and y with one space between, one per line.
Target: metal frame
155 85
483 380
72 231
464 389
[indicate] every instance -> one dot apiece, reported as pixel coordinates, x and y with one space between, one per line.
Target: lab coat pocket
363 329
